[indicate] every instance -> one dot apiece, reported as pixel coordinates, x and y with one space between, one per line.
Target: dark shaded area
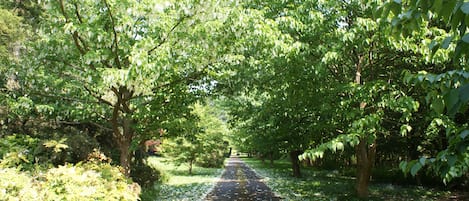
239 182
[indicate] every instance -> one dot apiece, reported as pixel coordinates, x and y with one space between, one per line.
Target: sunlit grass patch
178 184
330 185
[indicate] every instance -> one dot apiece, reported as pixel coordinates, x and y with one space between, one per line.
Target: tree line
364 82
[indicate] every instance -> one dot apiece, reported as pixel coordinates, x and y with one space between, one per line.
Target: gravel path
239 182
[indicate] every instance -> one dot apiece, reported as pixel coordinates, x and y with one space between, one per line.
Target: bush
89 181
211 160
16 185
144 175
59 148
16 151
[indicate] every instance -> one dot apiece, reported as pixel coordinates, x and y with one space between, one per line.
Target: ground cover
331 185
178 184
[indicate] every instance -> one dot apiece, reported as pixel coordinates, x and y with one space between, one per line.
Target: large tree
125 64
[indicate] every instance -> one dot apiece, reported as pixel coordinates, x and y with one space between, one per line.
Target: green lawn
178 185
330 185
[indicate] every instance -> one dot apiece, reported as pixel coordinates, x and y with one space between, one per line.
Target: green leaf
446 42
451 160
403 166
422 161
396 7
405 129
464 134
464 93
415 168
437 105
451 101
465 8
465 38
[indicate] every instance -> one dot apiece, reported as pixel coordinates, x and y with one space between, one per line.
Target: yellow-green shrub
90 181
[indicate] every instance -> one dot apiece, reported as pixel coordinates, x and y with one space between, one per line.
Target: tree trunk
190 166
295 163
124 145
365 161
271 157
365 155
122 126
123 134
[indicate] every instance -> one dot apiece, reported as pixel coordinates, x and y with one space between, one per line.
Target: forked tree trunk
295 162
122 127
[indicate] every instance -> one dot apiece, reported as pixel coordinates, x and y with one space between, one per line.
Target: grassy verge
330 185
177 184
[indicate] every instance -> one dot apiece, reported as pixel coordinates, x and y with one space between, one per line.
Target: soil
239 182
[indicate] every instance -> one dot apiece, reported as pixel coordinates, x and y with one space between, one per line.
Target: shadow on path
239 182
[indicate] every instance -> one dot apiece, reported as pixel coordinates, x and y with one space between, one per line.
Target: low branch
67 98
84 123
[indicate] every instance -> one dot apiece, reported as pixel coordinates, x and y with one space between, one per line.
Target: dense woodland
337 84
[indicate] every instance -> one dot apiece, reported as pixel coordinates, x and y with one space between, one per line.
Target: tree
203 138
446 91
13 33
124 62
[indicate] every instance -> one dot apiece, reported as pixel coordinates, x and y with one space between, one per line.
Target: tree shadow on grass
331 185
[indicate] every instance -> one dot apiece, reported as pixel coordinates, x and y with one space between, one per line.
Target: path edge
215 182
263 180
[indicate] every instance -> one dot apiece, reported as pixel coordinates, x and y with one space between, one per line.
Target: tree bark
295 162
365 153
365 160
122 127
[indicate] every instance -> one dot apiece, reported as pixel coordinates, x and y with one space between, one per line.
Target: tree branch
64 98
77 13
76 38
167 35
95 95
115 42
81 123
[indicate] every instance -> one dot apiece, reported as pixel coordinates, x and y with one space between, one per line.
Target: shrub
16 185
144 175
88 181
59 148
16 151
211 160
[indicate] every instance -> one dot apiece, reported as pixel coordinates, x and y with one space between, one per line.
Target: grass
330 185
177 184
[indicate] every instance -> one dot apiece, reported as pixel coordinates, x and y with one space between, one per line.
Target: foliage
145 175
381 98
203 141
12 32
131 66
447 95
446 92
18 151
81 182
410 15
